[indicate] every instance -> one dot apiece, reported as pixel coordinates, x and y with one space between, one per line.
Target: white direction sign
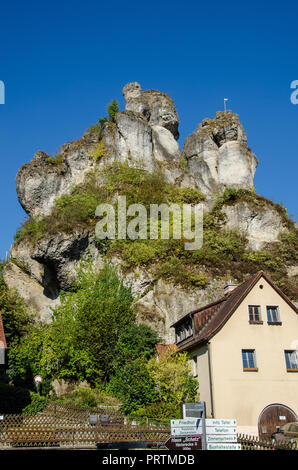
180 423
186 431
220 430
217 438
223 446
195 422
221 422
198 430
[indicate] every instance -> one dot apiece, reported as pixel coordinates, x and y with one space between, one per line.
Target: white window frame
277 314
247 369
259 312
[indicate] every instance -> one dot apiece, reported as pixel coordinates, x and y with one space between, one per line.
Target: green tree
172 376
89 322
135 342
80 342
113 109
133 385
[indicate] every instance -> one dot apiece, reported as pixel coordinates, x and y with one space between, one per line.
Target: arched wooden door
275 415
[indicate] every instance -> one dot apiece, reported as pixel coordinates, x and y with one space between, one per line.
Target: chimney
229 287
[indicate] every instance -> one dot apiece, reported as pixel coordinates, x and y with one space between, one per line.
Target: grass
58 159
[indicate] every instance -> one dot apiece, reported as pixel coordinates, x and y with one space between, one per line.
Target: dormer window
184 330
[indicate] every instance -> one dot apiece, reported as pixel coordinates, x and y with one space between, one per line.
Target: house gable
209 320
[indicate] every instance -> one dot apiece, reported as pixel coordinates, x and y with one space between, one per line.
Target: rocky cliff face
144 135
217 154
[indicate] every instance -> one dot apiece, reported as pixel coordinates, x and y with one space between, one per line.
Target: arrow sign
189 430
221 430
186 431
184 443
217 438
180 423
221 422
223 446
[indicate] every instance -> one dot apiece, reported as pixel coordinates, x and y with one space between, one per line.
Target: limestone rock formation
40 182
166 303
218 156
261 225
157 107
32 292
144 135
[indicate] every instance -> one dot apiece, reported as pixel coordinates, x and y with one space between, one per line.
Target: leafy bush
186 196
89 398
99 150
220 246
137 253
57 160
162 411
171 373
133 385
136 341
38 404
175 270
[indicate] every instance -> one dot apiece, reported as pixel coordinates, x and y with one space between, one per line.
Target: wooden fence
254 443
68 426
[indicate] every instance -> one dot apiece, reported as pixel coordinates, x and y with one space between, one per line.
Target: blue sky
62 62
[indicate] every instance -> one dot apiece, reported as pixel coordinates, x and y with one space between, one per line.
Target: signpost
184 443
197 432
223 446
217 438
193 410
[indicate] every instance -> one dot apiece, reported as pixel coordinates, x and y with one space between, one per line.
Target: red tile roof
2 335
208 320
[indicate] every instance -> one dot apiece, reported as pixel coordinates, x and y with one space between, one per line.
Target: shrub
161 411
220 246
38 404
136 341
99 150
186 196
138 253
133 385
89 398
175 270
57 160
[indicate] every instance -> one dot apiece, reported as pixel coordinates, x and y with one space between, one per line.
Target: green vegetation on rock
223 252
113 109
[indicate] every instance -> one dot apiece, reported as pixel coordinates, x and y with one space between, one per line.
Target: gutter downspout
210 379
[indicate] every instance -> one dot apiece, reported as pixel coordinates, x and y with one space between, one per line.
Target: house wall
203 376
243 395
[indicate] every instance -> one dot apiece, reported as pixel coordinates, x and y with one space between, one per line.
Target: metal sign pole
204 438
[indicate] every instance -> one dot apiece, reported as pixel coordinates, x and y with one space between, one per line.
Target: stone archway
274 415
